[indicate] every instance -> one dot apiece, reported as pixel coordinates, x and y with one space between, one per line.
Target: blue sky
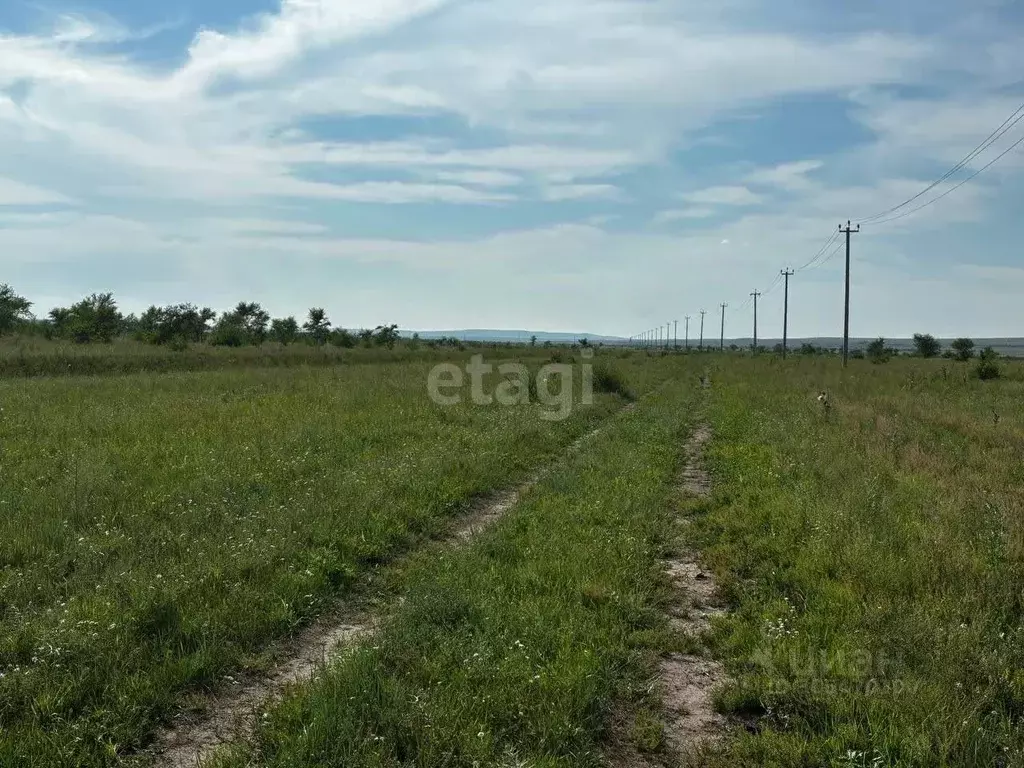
591 165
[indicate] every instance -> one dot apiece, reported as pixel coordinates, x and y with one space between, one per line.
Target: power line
1007 124
774 285
988 165
829 258
832 239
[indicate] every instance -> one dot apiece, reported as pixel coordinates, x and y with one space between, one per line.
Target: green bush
988 366
611 382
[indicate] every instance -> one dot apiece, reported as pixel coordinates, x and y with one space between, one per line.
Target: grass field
160 531
513 651
873 560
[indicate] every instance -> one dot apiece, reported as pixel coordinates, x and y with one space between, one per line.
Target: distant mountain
489 334
1007 346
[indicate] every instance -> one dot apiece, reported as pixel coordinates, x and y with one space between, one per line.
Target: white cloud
681 214
271 41
481 178
15 193
789 176
558 192
566 101
724 195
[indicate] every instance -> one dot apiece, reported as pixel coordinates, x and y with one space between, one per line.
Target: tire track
231 715
686 682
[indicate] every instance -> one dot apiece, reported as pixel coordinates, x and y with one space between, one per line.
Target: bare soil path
686 681
232 713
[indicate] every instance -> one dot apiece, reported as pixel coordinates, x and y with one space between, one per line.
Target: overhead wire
822 250
895 212
998 133
957 186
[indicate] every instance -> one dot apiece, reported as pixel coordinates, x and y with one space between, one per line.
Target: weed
648 732
611 382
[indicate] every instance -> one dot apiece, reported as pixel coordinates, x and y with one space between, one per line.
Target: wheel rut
231 714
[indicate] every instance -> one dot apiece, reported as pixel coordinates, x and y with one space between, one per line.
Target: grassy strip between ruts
513 650
159 532
873 559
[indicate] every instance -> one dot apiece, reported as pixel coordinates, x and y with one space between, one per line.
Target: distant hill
1007 346
486 334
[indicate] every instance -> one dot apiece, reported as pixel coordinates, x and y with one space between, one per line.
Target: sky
602 166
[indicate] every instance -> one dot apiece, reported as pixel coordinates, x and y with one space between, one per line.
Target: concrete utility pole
755 294
846 313
687 333
786 273
675 334
668 332
702 313
721 345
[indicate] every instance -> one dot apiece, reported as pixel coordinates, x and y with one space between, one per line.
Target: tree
385 335
584 342
14 309
876 351
254 320
339 337
927 345
284 330
533 341
366 337
94 318
963 348
246 324
178 324
317 326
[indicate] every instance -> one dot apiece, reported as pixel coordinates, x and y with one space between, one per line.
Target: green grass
159 531
873 561
36 356
514 650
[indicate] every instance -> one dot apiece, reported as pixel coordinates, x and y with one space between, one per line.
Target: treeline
97 319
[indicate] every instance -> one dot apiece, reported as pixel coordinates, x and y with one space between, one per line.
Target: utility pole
755 294
786 273
668 332
702 313
675 334
687 333
721 345
846 313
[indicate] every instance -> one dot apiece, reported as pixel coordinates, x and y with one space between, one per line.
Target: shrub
14 309
877 352
963 348
611 382
163 325
340 337
988 365
94 318
926 345
284 330
317 326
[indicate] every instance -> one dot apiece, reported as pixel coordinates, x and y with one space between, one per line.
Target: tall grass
160 531
512 651
874 557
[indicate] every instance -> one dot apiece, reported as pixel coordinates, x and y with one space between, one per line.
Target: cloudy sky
577 165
